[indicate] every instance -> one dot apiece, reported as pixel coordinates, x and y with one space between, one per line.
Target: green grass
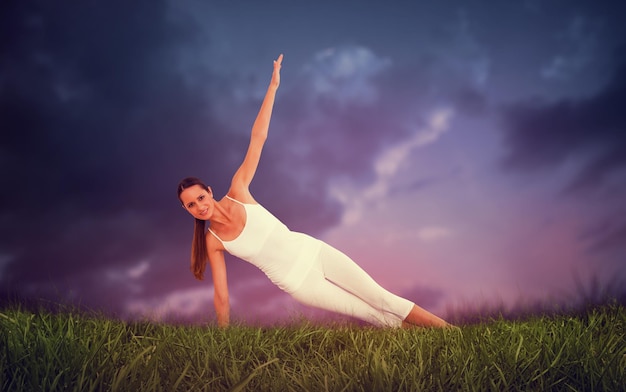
45 351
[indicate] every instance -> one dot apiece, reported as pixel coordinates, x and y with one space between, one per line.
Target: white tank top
285 256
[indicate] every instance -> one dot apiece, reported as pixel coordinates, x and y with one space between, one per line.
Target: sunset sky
461 152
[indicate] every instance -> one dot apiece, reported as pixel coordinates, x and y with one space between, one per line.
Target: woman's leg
339 269
320 293
423 318
345 273
338 284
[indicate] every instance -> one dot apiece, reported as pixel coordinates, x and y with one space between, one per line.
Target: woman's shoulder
212 243
241 195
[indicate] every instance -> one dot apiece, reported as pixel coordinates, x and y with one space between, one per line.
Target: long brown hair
199 254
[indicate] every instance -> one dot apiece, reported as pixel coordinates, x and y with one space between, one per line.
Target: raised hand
276 74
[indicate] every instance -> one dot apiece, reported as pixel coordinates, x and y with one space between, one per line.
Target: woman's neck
222 215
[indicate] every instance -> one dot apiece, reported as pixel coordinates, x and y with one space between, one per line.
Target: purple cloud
545 134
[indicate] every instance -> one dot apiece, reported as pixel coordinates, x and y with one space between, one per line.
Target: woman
313 272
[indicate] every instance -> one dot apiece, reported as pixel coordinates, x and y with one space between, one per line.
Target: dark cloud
608 235
541 135
79 79
98 127
615 239
471 101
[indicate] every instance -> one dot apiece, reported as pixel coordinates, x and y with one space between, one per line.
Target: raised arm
243 177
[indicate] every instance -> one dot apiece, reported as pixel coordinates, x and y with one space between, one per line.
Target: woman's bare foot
423 318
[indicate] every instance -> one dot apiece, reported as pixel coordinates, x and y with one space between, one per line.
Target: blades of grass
557 384
550 368
4 316
572 388
56 380
125 369
502 376
558 355
578 354
355 344
519 347
182 375
618 355
242 384
104 361
27 326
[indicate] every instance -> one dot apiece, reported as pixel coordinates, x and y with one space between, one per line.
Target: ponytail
199 255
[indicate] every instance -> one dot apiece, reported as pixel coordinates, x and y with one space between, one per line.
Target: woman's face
198 202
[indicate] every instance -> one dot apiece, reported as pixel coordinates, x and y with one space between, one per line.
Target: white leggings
338 284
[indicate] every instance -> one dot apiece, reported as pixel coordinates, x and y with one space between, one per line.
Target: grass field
44 351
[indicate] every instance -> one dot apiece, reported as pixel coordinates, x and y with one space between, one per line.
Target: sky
463 153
